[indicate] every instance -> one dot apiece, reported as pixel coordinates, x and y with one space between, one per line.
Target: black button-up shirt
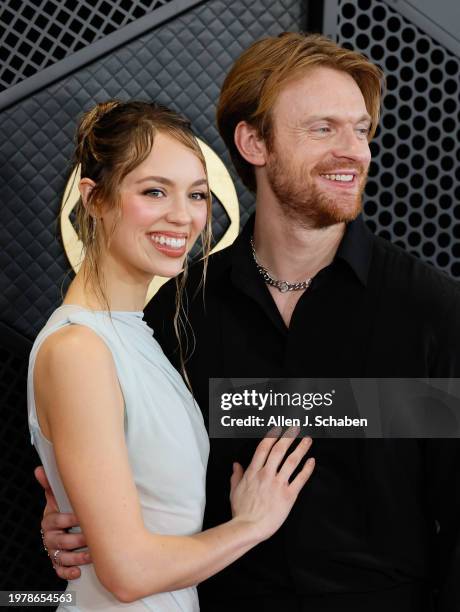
378 523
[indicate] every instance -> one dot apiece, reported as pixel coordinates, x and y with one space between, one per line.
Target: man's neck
291 252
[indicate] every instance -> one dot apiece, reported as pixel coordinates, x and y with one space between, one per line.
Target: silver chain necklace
282 286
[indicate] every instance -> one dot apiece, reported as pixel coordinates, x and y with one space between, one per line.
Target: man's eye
199 195
324 129
364 131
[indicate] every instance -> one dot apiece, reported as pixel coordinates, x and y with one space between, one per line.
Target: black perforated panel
413 194
35 34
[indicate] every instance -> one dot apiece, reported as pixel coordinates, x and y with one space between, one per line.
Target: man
306 290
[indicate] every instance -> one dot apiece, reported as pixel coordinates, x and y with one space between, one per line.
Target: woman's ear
249 144
86 186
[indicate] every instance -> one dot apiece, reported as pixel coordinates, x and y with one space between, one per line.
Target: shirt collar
355 249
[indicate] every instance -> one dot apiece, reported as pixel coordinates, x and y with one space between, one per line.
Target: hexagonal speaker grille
413 193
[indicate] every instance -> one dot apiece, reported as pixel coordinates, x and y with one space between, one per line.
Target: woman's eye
154 193
199 195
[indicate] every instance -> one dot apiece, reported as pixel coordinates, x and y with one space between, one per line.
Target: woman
121 438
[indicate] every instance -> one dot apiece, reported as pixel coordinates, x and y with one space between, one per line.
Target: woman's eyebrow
167 181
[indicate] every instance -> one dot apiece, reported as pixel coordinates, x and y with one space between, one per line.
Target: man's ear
250 145
86 186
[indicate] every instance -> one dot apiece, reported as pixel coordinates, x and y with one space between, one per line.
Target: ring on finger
42 533
56 559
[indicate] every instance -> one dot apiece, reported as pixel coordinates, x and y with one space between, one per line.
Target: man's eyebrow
167 181
335 118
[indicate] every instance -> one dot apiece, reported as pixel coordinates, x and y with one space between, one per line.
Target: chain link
282 286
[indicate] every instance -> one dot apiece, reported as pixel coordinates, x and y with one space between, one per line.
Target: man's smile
346 178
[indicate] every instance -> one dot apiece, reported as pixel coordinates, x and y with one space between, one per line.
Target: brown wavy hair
112 139
257 77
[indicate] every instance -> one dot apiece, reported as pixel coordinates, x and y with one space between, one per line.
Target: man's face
319 158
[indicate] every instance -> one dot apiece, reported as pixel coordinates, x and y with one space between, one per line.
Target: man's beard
303 202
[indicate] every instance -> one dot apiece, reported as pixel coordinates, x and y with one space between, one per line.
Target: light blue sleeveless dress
166 439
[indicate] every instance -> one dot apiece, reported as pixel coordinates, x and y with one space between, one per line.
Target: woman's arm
80 408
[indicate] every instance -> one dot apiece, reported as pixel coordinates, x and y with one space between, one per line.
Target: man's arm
443 478
55 536
442 460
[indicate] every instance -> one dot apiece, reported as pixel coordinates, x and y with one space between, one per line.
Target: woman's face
164 209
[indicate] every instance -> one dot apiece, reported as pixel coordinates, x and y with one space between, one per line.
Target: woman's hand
262 496
55 537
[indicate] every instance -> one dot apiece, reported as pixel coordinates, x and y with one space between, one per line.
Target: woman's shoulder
74 345
73 364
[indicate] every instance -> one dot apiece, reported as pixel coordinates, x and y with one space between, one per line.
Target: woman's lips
169 243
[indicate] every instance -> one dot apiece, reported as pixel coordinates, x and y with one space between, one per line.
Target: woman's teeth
173 243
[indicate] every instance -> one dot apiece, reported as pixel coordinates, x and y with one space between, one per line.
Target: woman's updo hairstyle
113 138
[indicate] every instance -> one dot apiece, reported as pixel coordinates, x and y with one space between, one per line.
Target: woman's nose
179 212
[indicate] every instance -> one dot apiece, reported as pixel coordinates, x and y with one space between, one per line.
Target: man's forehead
321 91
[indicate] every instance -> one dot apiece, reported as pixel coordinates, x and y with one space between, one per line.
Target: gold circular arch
220 183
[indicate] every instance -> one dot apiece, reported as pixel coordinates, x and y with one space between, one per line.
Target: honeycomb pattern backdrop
35 35
413 193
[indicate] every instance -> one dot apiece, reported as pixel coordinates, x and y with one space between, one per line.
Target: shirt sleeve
442 460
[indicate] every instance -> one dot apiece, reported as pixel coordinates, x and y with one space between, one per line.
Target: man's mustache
331 168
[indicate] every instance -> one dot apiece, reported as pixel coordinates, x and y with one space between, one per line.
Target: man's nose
352 145
179 211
